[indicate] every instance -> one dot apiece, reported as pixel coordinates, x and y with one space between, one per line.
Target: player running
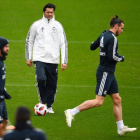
106 80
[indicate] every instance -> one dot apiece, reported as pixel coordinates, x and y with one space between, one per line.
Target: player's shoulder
57 23
36 23
108 34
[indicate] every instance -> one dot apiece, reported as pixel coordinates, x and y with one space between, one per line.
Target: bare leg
117 106
91 103
3 127
117 110
70 113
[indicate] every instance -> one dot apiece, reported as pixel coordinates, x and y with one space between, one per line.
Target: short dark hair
49 5
115 20
22 114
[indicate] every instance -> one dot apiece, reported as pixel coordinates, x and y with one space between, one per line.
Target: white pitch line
78 42
78 86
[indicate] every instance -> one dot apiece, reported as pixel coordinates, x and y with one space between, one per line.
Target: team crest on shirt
42 29
53 29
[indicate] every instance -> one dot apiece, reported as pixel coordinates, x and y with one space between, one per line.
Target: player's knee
118 100
99 103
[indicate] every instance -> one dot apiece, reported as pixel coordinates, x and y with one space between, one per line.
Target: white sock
120 125
74 111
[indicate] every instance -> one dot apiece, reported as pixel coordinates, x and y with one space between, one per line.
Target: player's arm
95 44
1 84
113 51
29 44
1 96
6 94
64 49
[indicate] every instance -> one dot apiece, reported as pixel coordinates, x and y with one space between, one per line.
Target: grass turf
83 21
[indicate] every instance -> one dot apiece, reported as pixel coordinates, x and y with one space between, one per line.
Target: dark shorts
3 111
106 83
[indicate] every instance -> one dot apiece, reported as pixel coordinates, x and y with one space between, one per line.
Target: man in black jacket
106 80
4 48
23 129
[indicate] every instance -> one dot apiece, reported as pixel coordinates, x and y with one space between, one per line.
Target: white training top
44 41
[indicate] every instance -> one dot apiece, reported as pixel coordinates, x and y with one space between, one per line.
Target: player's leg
3 127
117 106
70 113
51 85
41 81
101 90
3 118
117 109
98 101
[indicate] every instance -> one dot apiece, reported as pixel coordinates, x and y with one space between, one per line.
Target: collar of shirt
48 21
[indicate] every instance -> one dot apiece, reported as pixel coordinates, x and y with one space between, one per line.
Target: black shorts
106 83
3 111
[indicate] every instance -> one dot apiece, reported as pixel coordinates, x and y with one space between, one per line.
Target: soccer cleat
49 110
69 117
126 129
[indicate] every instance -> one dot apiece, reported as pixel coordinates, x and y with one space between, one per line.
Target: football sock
120 125
74 111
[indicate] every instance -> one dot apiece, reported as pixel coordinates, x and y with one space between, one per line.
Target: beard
4 54
117 34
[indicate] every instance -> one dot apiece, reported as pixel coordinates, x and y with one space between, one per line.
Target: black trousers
46 76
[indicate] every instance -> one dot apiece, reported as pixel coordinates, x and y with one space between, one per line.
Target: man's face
49 13
5 50
119 29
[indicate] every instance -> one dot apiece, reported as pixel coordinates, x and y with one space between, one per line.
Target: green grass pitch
83 21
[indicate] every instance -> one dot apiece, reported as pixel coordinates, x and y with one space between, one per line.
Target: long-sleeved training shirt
109 56
2 76
44 41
